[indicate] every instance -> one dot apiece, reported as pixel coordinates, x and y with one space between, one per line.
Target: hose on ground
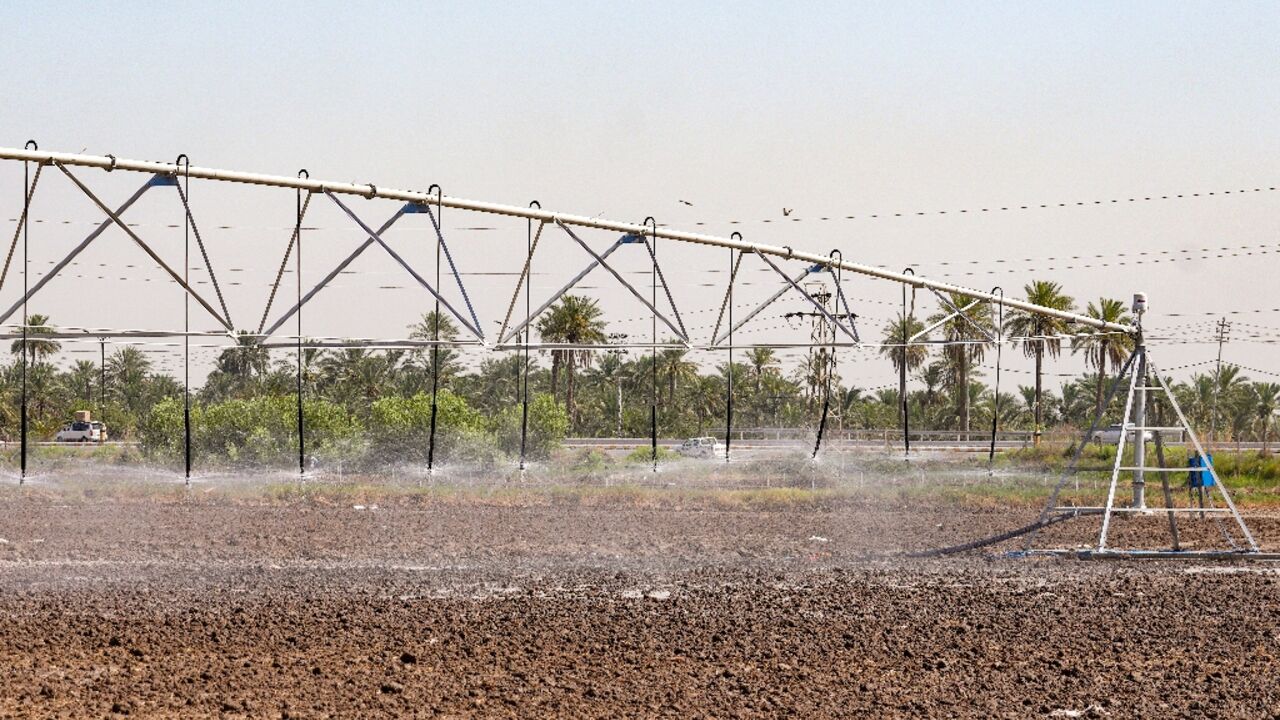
992 540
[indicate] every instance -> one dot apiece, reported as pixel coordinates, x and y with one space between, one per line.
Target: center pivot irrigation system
515 336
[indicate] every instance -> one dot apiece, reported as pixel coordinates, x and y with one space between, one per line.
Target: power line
1014 207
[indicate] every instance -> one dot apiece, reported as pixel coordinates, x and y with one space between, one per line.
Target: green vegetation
366 406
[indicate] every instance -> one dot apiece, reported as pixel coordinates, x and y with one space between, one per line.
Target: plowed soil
471 606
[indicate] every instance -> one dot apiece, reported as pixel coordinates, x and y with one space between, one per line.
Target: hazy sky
741 109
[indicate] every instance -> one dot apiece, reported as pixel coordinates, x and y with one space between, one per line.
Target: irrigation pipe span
112 163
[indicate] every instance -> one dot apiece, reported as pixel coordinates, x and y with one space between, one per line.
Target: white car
81 432
1111 434
699 447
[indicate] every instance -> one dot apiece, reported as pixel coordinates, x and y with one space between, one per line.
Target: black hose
983 542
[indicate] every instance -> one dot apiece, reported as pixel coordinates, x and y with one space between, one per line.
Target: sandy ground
235 605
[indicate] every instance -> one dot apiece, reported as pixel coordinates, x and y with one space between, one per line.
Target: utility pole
822 359
1222 335
615 338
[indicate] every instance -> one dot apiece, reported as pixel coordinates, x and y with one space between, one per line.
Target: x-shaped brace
956 312
794 283
599 261
473 328
114 218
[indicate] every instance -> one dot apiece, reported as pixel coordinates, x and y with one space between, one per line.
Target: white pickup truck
82 431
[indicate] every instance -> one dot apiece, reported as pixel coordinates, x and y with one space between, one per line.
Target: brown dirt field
234 606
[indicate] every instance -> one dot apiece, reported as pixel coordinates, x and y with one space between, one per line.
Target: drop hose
992 540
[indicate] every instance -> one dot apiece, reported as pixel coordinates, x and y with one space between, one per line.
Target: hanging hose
26 292
728 398
184 162
995 415
653 387
524 371
300 209
902 368
829 367
435 348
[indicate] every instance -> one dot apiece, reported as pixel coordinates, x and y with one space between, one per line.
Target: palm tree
443 356
966 335
1104 347
127 371
81 378
671 362
1267 400
1041 336
1228 385
905 358
762 362
575 320
247 361
707 399
37 349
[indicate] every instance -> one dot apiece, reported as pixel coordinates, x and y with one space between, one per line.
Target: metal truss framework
432 204
1139 371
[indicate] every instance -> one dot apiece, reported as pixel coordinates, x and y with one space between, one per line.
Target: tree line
380 399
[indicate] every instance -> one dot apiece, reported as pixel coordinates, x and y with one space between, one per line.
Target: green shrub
261 430
548 424
400 429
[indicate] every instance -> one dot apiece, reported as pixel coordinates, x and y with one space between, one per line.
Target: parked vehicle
1110 435
699 447
82 429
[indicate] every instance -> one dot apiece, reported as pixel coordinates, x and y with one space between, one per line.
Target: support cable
299 211
195 230
529 247
448 256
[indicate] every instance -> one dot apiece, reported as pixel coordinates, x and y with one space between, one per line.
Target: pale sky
831 110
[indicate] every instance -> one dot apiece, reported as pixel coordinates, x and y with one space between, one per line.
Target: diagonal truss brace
560 293
524 277
653 256
114 219
161 180
961 312
679 331
217 289
22 223
1217 481
598 260
793 283
449 256
337 270
957 312
408 268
